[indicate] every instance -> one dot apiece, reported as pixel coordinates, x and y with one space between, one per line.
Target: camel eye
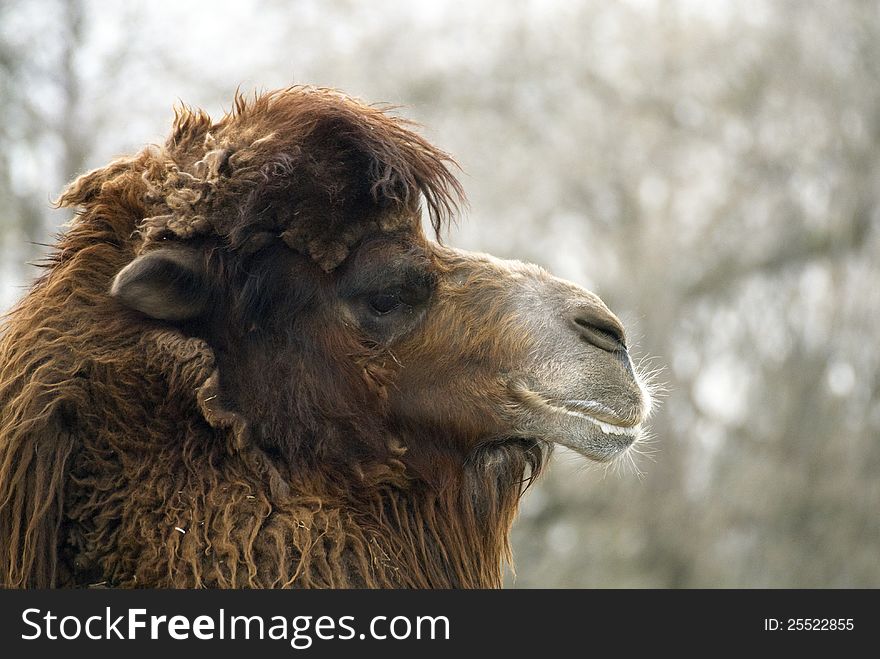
385 303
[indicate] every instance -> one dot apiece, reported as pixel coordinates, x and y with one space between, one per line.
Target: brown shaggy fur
125 457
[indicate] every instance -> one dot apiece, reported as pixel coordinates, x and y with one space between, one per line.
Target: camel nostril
601 331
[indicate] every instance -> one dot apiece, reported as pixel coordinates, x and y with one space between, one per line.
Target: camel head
288 236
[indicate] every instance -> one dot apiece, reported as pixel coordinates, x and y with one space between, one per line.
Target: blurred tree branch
833 243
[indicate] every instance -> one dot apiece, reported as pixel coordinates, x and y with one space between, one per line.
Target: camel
247 365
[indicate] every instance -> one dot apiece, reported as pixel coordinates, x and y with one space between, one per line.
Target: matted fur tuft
310 165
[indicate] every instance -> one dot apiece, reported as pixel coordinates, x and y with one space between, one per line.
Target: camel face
491 350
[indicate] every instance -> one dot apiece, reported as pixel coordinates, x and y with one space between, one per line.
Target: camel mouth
600 414
588 427
617 434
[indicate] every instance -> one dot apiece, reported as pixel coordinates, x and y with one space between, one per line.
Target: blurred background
710 168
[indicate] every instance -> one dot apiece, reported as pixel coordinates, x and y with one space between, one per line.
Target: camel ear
167 284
